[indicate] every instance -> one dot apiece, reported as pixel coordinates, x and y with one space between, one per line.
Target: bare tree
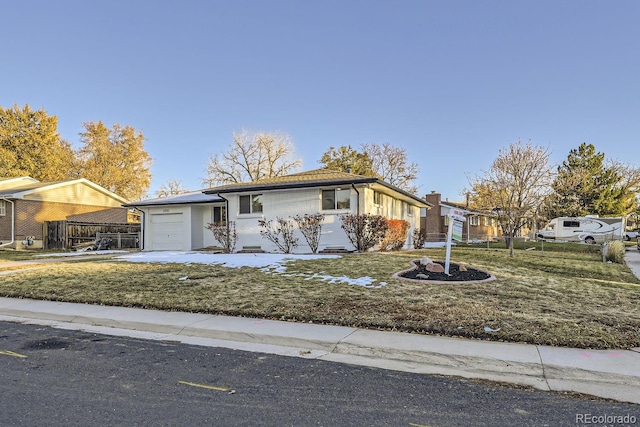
384 161
391 165
514 187
172 188
251 157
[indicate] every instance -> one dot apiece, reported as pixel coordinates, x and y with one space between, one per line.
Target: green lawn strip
560 298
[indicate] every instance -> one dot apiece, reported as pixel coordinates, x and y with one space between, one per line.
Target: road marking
209 387
11 353
418 425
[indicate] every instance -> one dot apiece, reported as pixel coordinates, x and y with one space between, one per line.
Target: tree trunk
511 245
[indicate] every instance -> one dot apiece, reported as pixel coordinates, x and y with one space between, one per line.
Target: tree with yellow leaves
115 159
30 145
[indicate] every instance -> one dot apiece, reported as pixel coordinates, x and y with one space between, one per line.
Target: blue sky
452 82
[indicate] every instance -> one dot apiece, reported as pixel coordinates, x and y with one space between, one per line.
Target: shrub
280 233
225 234
615 252
364 231
396 235
419 238
311 227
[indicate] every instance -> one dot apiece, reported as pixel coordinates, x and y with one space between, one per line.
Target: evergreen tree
347 159
584 186
30 145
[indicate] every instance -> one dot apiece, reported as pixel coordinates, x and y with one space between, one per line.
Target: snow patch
267 263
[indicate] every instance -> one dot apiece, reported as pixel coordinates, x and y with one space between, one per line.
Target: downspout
13 222
226 214
142 227
226 209
358 198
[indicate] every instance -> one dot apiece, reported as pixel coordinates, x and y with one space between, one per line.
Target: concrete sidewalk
611 374
632 259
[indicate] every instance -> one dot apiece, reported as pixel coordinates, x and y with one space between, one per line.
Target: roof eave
311 184
201 202
288 185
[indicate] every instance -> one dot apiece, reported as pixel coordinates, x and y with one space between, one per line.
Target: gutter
13 222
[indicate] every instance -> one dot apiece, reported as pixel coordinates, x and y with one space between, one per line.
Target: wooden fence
68 235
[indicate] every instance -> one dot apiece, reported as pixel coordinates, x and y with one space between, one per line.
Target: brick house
26 204
479 226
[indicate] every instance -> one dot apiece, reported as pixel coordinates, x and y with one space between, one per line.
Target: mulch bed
455 274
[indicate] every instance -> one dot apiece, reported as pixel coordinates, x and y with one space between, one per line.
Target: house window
336 199
488 221
474 221
251 203
219 214
3 208
377 198
406 210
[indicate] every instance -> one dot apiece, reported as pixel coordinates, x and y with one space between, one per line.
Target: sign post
456 218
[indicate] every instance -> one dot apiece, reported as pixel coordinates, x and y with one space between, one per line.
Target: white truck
588 229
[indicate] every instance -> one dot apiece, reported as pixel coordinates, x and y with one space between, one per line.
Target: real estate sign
457 230
456 216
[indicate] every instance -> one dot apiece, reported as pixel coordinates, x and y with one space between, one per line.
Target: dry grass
561 298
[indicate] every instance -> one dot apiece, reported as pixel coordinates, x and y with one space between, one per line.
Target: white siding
392 208
287 204
276 204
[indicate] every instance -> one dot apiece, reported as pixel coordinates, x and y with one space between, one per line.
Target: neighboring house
178 223
478 226
26 204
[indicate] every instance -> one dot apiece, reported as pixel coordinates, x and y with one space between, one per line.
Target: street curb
606 374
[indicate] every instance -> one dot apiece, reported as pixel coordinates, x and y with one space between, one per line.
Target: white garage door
166 232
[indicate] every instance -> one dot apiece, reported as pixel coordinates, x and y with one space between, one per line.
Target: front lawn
562 297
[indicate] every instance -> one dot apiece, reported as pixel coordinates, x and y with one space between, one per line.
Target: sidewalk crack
335 346
544 370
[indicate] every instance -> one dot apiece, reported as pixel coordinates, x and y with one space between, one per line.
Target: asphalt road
54 377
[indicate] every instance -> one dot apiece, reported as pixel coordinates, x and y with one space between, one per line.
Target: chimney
433 198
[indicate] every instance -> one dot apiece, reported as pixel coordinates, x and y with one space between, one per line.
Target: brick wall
5 225
31 215
433 222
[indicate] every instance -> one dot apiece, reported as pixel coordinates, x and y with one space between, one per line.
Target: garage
167 232
177 223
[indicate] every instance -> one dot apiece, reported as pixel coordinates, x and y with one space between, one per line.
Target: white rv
589 229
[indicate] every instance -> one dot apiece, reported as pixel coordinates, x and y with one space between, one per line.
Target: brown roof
312 178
